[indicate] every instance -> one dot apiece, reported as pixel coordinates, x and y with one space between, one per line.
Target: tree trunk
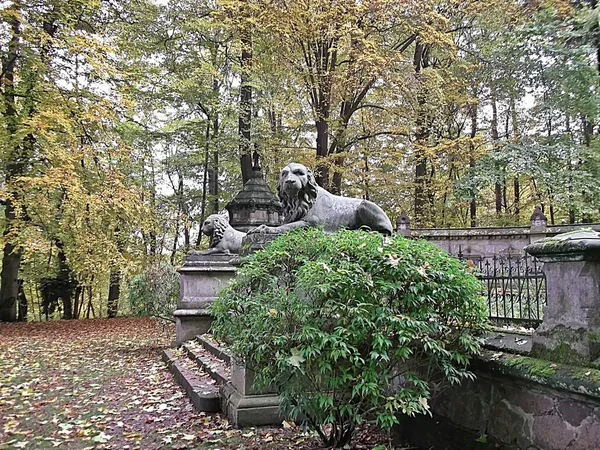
153 248
114 284
421 137
495 139
114 292
204 181
215 184
322 125
517 195
336 185
245 115
588 132
79 293
65 282
175 242
22 303
11 258
420 191
516 137
321 60
366 170
11 262
183 211
473 205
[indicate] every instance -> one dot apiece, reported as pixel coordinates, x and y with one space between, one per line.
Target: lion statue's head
214 227
297 189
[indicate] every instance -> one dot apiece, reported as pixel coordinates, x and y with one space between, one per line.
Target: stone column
202 277
570 331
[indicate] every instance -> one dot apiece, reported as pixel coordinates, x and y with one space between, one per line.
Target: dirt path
100 384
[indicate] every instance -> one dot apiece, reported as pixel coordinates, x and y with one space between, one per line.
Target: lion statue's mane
220 224
295 207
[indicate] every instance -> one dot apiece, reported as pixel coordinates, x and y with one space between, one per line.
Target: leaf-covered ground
100 384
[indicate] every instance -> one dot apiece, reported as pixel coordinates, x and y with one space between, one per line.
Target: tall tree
63 161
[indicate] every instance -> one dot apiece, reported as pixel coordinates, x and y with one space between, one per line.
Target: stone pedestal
570 331
202 277
243 404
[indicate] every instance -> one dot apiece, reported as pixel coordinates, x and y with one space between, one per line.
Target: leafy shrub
155 291
352 326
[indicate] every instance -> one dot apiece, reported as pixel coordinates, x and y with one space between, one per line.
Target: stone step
200 387
217 368
216 348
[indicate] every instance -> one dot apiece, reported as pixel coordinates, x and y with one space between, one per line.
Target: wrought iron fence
515 287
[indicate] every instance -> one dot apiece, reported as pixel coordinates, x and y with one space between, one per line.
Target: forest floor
101 384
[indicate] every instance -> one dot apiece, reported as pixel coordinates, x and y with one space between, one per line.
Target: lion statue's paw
261 229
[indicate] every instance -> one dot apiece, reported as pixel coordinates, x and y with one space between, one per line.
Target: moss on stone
587 374
562 353
578 379
536 367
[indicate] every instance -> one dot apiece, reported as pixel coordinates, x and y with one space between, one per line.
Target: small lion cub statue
223 237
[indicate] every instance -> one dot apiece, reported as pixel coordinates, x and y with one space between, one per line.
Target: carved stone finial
403 222
538 222
255 204
538 216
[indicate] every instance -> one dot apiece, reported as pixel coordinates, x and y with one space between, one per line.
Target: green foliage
353 325
155 291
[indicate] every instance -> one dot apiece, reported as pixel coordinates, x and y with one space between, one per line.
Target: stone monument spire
255 204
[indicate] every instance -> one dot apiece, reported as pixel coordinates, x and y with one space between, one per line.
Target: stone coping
224 264
574 379
580 245
465 232
192 312
508 341
498 231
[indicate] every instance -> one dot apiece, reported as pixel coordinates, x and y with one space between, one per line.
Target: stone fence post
538 225
403 225
570 331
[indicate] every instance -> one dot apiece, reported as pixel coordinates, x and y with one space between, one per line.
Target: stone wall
509 408
485 242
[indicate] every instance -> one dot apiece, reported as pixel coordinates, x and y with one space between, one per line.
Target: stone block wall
503 411
522 415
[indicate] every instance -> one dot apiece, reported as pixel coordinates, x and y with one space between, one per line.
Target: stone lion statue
223 237
305 204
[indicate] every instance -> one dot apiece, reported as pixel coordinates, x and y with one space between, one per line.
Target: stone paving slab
508 342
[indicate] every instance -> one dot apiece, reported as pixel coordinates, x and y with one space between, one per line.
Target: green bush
155 291
352 326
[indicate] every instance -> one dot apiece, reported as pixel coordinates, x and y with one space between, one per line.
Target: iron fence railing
515 287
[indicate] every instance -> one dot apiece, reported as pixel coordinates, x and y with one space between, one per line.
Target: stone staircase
201 367
214 381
